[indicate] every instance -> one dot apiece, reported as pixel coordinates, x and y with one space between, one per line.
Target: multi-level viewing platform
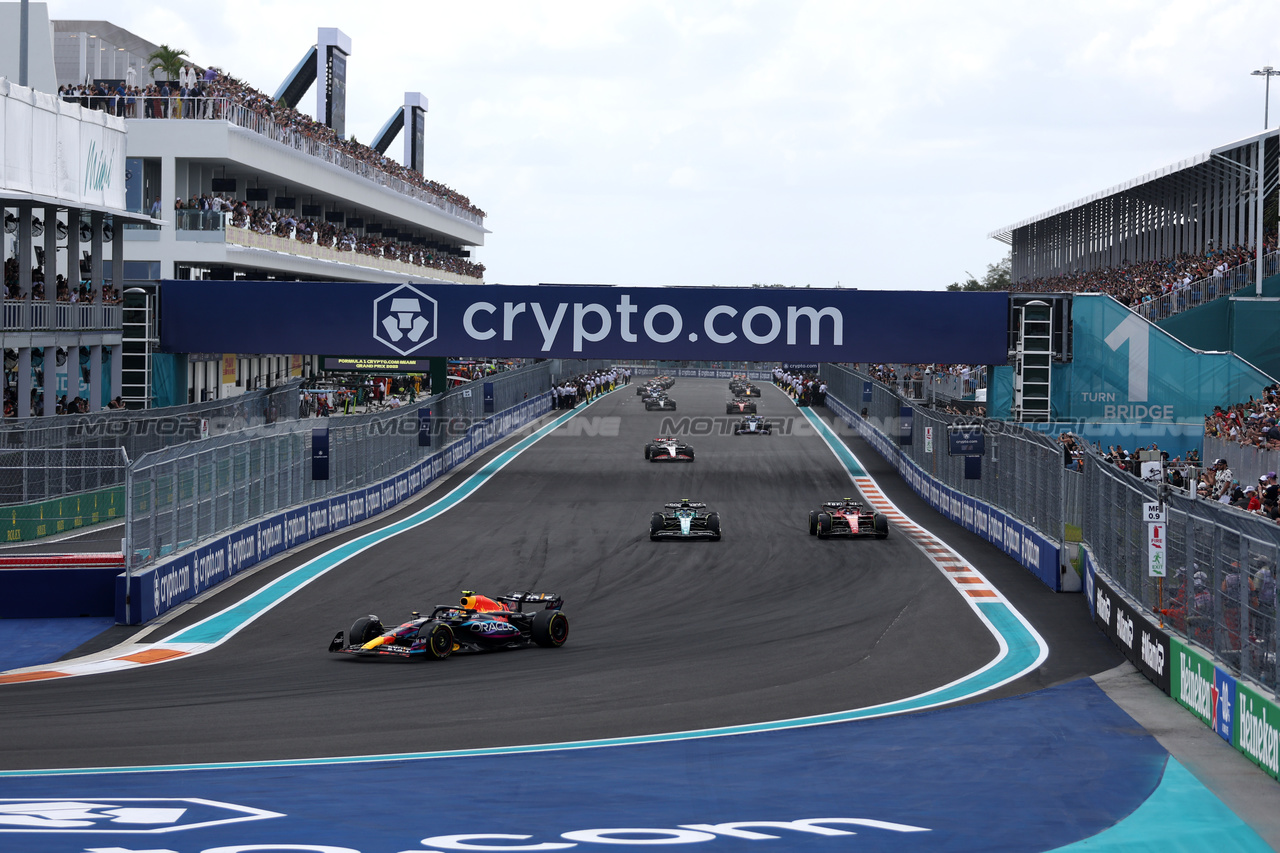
299 207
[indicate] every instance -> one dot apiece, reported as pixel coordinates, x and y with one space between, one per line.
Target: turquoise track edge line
1203 822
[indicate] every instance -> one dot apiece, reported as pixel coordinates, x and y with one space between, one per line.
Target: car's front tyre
364 629
439 637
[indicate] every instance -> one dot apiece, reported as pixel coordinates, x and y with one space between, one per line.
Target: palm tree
168 60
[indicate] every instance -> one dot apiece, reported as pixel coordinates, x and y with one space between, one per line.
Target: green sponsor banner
48 518
1191 680
1257 729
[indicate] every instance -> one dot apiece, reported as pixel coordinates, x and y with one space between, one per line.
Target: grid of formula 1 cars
519 619
692 520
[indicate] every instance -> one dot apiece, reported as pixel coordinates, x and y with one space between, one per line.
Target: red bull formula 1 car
847 518
477 623
685 519
668 450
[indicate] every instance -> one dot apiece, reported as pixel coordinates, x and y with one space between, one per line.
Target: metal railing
142 431
32 474
1248 462
230 110
181 496
42 314
1207 289
1220 592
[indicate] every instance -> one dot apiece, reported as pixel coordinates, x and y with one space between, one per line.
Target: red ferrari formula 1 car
847 518
477 623
740 406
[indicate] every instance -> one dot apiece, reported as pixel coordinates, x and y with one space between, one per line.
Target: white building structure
186 162
62 190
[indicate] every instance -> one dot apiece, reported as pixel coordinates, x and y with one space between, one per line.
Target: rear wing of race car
685 505
840 504
517 600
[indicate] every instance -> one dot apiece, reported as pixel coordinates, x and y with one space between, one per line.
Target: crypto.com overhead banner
595 321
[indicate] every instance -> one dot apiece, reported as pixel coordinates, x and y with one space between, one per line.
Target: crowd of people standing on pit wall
585 387
806 389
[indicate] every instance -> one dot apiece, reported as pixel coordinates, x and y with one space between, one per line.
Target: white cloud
736 141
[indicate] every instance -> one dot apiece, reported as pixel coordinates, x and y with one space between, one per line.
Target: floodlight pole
1266 72
24 19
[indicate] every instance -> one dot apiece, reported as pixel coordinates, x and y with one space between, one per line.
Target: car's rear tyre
439 637
824 525
813 522
713 524
655 525
690 453
364 629
882 526
648 451
550 628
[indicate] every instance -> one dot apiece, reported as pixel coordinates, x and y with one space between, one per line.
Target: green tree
168 60
999 276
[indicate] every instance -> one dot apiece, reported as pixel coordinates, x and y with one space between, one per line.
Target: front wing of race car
673 531
830 525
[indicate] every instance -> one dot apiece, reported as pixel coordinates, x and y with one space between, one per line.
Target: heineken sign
1257 730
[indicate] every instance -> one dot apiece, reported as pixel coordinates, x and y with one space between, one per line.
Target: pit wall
153 590
1035 551
1238 713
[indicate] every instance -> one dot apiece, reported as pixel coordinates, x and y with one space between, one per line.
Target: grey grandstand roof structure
1208 199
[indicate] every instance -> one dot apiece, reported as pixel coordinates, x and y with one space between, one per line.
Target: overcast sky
819 142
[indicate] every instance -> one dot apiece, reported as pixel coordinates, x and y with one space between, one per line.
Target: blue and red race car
477 623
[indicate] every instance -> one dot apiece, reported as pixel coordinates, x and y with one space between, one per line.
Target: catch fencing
43 458
1220 588
1022 471
181 496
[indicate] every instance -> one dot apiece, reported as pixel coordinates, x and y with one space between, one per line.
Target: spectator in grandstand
1134 283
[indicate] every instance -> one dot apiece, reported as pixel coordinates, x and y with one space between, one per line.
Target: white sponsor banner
17 138
44 140
52 148
68 154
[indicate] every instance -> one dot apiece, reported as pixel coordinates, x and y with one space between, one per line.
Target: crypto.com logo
117 815
404 319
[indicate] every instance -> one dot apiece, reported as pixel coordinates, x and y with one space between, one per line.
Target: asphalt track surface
768 624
